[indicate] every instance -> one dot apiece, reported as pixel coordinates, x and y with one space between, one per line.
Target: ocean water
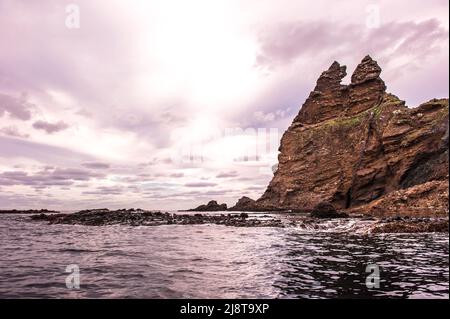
211 261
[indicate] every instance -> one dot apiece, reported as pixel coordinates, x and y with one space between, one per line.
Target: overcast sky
168 104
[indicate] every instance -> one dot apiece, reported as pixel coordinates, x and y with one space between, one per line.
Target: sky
169 104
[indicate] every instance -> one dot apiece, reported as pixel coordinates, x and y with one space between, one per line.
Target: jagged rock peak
331 77
331 99
368 69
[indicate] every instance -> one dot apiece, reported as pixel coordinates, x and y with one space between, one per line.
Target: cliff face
352 144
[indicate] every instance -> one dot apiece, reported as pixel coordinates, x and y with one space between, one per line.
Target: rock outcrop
212 206
139 217
412 226
353 144
131 217
428 199
326 210
244 204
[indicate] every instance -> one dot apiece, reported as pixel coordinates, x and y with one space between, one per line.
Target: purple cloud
106 190
96 165
47 177
176 175
13 132
74 174
228 174
200 184
17 108
11 148
50 128
283 44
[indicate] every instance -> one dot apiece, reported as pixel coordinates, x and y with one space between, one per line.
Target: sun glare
200 45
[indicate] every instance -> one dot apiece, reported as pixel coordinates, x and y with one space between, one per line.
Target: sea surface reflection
211 261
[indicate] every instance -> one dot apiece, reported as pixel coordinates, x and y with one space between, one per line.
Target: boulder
212 206
326 210
244 204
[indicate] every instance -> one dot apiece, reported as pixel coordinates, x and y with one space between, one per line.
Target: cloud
228 174
13 132
12 148
50 128
200 184
106 190
18 108
74 174
262 117
25 201
285 43
176 175
47 177
256 188
96 165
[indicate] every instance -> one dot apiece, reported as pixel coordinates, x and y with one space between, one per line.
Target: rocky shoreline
412 225
371 225
138 217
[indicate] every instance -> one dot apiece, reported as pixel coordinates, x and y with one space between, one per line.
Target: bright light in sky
198 48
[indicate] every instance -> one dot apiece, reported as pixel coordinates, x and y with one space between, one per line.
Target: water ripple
212 261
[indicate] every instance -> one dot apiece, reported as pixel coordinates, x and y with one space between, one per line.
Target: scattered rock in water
146 218
412 225
104 217
326 210
368 226
212 206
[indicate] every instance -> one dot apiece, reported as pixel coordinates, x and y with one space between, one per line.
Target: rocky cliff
351 145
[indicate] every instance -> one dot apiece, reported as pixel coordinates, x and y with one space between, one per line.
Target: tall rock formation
352 144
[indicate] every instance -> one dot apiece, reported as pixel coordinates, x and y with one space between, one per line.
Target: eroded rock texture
353 144
244 204
212 206
428 199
